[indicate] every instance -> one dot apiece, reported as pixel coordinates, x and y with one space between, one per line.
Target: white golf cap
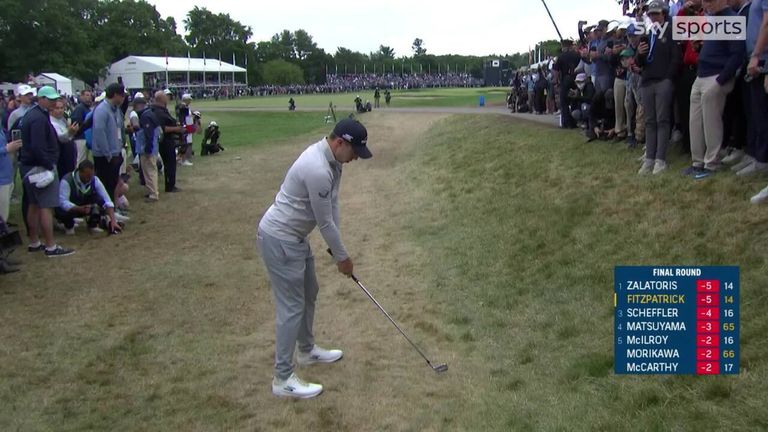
138 95
168 92
213 123
101 96
25 90
186 96
613 26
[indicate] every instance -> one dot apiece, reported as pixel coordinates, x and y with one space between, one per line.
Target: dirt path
170 326
381 384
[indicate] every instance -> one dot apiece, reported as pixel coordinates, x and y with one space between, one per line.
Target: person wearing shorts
37 159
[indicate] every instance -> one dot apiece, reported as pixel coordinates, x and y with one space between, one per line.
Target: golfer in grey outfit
308 197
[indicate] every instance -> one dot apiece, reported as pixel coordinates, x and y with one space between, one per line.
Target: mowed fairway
454 97
491 240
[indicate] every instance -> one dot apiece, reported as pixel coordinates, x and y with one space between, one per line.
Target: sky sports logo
699 28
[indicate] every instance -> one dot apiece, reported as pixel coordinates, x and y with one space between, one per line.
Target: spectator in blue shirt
7 153
108 137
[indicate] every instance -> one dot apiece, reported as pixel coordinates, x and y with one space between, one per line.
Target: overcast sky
478 27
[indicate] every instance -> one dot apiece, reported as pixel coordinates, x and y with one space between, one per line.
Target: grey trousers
657 107
291 268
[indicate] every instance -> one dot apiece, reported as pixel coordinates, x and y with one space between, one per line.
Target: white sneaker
295 387
121 217
746 160
724 152
760 197
59 226
659 166
95 230
69 231
647 167
753 168
318 355
734 157
79 221
186 163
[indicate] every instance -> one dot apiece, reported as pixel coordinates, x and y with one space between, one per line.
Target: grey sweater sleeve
319 186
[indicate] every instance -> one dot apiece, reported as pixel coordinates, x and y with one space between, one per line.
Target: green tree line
81 38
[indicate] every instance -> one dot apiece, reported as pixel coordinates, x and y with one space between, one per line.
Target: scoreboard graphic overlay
676 320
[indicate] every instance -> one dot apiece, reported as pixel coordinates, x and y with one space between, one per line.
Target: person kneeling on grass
82 195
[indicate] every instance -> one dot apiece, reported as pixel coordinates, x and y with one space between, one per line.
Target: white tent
140 72
61 83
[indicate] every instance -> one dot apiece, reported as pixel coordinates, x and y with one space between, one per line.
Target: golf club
437 368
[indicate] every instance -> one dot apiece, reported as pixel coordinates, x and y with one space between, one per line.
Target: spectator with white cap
186 119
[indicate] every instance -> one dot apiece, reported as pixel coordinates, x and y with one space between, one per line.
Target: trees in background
80 38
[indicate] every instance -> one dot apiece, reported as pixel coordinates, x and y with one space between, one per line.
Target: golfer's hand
345 267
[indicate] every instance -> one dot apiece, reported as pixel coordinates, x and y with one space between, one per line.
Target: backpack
150 133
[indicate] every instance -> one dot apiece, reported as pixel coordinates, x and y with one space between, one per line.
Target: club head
440 368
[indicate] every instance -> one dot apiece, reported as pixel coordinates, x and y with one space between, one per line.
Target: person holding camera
659 57
83 195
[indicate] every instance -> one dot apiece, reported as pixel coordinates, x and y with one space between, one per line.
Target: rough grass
525 225
453 97
491 241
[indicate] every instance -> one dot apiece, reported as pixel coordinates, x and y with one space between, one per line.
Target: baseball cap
24 90
168 92
613 26
655 6
138 95
48 92
186 96
581 77
138 100
627 52
101 96
354 132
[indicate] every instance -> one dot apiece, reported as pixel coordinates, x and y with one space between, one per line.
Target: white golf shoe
318 355
295 387
760 197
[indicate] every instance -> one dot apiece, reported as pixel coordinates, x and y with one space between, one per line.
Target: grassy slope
400 99
525 226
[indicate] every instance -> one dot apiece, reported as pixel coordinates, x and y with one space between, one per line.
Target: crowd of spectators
76 156
631 81
360 82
